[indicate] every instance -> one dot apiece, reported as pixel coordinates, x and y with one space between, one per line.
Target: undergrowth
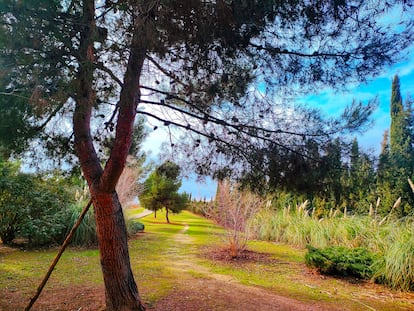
390 239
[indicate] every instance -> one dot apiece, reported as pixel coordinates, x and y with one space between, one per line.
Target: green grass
130 212
25 269
154 255
280 251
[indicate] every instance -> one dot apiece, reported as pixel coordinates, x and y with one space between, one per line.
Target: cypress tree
396 159
400 134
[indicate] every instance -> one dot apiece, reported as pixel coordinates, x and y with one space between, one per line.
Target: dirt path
213 291
141 215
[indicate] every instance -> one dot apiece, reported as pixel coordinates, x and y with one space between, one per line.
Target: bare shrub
128 187
234 210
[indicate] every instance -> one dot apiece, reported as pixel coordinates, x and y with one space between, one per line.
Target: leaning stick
59 254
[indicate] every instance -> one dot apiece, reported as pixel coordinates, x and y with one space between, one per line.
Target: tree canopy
198 77
161 190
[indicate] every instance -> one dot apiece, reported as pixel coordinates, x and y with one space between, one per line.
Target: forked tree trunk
121 292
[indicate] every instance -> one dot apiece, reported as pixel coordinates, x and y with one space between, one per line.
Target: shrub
46 214
134 226
85 235
234 210
338 260
395 265
392 240
31 207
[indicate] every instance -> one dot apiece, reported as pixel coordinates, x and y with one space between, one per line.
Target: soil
223 295
203 294
76 298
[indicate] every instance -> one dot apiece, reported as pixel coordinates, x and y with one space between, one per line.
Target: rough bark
121 291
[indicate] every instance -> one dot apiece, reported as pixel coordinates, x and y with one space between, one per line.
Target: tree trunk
121 292
155 213
166 215
8 236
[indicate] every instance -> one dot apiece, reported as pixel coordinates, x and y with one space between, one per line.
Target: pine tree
160 190
409 113
332 170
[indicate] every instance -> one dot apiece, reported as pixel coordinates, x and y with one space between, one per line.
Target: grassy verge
169 257
392 240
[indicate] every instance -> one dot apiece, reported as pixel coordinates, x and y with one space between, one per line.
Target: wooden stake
59 254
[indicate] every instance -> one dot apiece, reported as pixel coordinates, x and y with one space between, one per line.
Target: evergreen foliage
339 174
31 207
134 226
396 162
338 260
160 190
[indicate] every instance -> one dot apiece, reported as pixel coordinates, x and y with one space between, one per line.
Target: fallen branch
59 254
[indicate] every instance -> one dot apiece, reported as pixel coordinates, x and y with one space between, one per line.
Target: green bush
134 226
31 207
338 260
85 235
45 216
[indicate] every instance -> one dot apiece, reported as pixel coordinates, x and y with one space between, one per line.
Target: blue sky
332 104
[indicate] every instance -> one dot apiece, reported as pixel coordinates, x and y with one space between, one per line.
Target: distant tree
355 158
295 169
409 110
384 157
384 190
332 171
161 190
401 149
396 162
15 128
360 180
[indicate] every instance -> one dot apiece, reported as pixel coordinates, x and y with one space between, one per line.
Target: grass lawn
133 210
173 259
